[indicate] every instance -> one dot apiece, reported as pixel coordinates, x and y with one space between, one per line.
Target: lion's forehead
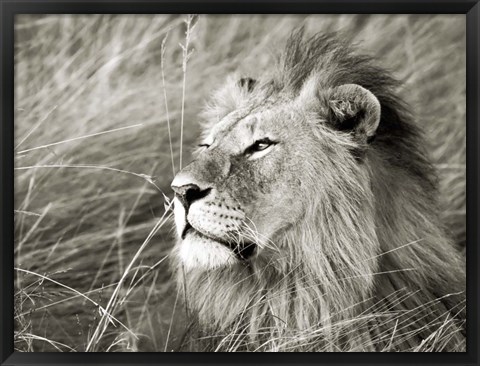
244 124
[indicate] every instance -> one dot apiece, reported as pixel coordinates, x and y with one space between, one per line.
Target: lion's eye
259 145
205 146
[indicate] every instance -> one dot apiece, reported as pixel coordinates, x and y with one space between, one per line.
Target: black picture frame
8 10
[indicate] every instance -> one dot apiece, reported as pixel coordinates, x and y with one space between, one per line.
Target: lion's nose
189 193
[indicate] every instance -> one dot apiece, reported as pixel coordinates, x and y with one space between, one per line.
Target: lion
308 219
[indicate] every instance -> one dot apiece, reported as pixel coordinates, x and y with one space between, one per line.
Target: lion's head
305 186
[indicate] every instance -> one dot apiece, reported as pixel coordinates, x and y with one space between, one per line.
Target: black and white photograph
240 183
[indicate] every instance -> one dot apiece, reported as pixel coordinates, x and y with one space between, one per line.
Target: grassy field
106 111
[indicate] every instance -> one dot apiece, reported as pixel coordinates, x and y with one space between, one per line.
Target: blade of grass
78 138
102 325
162 68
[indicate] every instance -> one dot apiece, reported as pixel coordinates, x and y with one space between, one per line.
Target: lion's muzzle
209 224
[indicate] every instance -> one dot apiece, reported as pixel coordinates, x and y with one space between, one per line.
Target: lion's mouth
242 250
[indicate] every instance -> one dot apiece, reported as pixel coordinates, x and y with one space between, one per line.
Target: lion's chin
198 252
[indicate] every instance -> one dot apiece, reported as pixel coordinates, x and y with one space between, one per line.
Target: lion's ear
353 109
247 84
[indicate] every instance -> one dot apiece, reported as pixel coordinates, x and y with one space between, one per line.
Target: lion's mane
381 273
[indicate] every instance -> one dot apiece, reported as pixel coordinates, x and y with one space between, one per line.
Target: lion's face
249 181
242 188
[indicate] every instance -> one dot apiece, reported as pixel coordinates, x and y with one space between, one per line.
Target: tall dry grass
105 112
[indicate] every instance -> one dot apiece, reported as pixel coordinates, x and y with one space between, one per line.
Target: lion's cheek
279 211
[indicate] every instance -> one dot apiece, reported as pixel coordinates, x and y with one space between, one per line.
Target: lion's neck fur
363 269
